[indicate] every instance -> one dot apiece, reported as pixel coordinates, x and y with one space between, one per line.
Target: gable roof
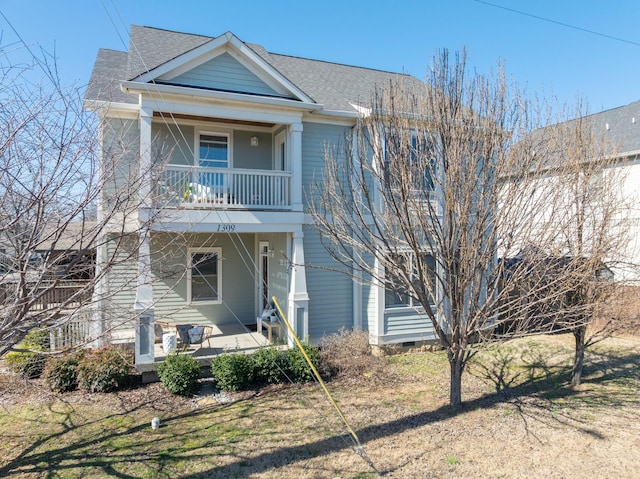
334 86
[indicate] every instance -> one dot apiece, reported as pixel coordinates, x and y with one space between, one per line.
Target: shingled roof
333 85
621 126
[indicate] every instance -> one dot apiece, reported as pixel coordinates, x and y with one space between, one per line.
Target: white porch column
357 274
143 306
295 135
96 331
298 300
376 323
97 323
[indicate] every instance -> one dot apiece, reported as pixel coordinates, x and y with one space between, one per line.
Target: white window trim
280 138
227 134
402 308
190 252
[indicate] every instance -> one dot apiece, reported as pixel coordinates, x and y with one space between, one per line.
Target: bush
232 371
61 372
270 365
30 364
179 374
348 354
104 369
298 366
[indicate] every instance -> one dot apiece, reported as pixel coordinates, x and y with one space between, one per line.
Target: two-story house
219 141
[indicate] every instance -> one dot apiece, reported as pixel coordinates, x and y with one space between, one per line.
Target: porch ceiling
181 116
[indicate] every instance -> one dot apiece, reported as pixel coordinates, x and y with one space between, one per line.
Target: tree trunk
579 334
455 386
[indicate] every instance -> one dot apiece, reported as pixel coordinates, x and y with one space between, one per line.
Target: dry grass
519 420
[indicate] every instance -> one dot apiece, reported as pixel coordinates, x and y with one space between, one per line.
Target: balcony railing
225 188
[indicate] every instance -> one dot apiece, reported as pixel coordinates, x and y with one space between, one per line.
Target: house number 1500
227 227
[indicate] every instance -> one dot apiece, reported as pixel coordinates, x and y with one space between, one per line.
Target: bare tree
592 230
50 226
436 200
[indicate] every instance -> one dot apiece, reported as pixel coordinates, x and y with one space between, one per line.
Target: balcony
199 187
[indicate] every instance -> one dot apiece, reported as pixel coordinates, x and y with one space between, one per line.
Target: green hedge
270 365
233 371
179 374
104 369
61 372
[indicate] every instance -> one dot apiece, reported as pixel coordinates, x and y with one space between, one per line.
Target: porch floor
226 337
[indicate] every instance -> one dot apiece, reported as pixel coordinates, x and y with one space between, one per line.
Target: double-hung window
406 265
409 161
204 275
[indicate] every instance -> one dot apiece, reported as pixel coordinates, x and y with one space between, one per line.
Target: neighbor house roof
334 86
621 127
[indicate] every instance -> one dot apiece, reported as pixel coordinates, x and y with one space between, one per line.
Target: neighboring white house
621 128
616 137
226 139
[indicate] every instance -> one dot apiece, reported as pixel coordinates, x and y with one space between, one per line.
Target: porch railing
227 188
72 331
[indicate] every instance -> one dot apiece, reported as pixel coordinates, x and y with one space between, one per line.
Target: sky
563 48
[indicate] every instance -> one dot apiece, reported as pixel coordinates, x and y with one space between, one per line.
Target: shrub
61 372
179 374
298 366
232 371
30 364
104 369
348 354
270 365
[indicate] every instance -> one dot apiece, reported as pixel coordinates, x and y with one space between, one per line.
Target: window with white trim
409 160
204 275
405 261
213 150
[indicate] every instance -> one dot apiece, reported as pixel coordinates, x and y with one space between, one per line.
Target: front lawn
519 420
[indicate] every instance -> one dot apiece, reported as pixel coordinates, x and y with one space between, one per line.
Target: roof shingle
332 85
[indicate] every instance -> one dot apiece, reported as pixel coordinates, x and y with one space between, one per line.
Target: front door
264 274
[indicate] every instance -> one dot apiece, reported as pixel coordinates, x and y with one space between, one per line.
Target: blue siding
330 293
252 157
120 153
407 326
316 138
224 73
121 281
239 288
173 143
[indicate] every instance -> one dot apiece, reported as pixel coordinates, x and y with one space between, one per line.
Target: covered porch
219 283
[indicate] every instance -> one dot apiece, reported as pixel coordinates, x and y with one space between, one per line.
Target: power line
42 64
549 20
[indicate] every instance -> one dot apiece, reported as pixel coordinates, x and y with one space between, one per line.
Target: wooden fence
74 326
66 294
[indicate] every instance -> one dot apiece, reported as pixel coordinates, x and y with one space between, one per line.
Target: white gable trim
169 94
228 43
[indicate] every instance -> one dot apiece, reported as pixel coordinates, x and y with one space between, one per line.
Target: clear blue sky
397 35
